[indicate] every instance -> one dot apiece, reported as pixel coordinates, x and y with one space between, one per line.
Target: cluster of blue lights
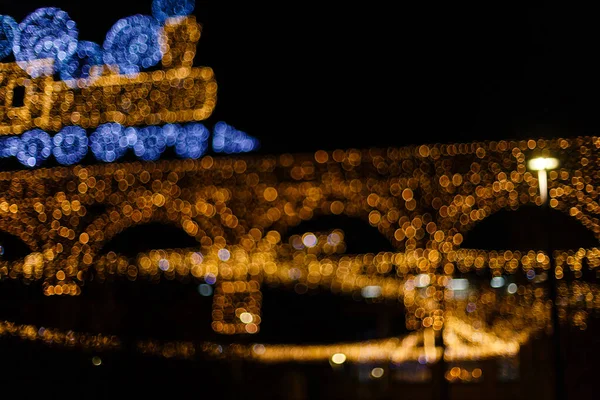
81 65
47 33
70 145
34 147
150 143
133 43
227 139
192 142
108 142
111 141
7 33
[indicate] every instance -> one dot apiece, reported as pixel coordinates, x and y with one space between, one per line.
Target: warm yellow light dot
270 194
377 372
96 361
246 317
338 358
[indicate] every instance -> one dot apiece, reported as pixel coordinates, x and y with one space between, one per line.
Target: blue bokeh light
111 141
8 26
150 143
192 141
45 33
9 146
108 142
227 139
134 42
79 66
163 9
35 146
70 145
171 132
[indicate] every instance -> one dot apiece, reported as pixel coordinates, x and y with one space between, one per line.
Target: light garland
179 93
416 346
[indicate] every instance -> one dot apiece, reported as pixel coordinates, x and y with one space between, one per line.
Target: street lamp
541 165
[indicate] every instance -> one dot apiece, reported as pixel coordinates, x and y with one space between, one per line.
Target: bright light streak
542 163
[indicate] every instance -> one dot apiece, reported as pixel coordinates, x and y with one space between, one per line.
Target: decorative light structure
423 199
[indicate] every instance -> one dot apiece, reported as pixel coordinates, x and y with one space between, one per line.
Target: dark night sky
303 75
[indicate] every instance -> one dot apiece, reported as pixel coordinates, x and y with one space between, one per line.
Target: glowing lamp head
338 358
542 163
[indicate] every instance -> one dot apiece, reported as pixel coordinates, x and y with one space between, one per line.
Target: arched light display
47 33
134 43
422 199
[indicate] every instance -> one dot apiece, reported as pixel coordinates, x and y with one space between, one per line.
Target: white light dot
459 284
246 317
497 282
371 292
309 240
422 280
338 358
259 349
334 238
377 372
512 288
224 254
163 264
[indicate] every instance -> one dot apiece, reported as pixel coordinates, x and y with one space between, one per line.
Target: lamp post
542 165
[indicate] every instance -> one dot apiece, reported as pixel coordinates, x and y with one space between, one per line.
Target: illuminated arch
283 215
352 227
105 227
